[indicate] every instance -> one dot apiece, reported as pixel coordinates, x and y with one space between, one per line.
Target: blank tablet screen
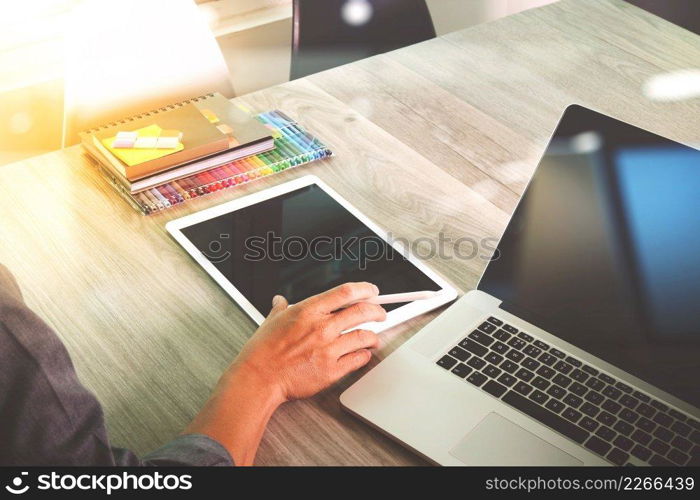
299 244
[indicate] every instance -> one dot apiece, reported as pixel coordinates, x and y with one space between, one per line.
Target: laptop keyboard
592 408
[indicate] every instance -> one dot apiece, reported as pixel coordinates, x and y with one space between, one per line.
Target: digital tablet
299 239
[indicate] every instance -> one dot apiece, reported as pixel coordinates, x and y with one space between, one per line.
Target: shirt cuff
190 450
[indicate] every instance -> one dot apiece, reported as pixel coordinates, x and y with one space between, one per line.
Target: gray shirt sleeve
48 417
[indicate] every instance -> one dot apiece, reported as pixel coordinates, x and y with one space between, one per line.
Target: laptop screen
603 250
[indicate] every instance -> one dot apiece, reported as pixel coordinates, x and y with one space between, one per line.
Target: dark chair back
328 33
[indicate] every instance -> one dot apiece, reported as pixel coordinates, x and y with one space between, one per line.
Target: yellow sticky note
133 157
210 115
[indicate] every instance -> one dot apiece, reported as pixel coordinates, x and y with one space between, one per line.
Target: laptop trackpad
498 441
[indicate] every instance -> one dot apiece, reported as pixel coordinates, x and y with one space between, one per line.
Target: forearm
237 413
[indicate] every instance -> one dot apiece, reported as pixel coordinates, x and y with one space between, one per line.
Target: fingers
354 341
279 303
342 295
353 361
357 314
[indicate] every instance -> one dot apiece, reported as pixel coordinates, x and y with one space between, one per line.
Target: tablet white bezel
399 315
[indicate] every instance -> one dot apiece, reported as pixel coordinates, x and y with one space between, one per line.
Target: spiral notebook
210 125
293 146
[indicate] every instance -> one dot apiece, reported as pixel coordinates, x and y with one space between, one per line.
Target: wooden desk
441 137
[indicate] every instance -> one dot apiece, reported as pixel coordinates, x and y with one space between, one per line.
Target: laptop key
561 380
530 364
594 397
679 428
540 383
605 418
641 452
623 387
526 337
516 343
623 428
487 327
524 374
541 345
515 355
459 353
611 392
547 359
573 361
510 329
611 406
589 409
495 321
571 414
629 401
645 424
641 437
641 396
607 378
555 405
461 370
533 351
493 358
501 335
662 419
446 362
677 415
508 366
646 410
681 443
590 370
557 353
659 461
595 384
579 375
659 447
605 432
598 446
573 401
477 378
678 457
523 388
481 338
507 379
494 388
663 434
617 456
491 371
623 443
476 363
473 347
563 367
539 397
556 392
578 389
545 416
499 347
545 372
589 424
628 415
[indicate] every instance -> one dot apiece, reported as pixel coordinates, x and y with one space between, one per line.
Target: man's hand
298 351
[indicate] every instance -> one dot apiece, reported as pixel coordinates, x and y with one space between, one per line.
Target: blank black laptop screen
603 250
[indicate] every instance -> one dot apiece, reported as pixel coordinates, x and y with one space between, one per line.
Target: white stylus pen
395 298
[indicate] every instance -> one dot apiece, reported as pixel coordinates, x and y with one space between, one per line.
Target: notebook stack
194 148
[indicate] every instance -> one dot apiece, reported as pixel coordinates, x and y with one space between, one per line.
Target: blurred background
69 64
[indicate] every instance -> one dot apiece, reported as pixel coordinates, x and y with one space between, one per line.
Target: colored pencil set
294 146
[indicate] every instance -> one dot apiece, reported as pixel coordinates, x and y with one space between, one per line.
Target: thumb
279 303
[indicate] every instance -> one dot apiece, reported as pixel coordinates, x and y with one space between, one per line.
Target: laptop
581 342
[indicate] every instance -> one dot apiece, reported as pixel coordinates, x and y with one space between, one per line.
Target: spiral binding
152 112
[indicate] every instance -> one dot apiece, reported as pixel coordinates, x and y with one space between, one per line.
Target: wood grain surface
436 139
